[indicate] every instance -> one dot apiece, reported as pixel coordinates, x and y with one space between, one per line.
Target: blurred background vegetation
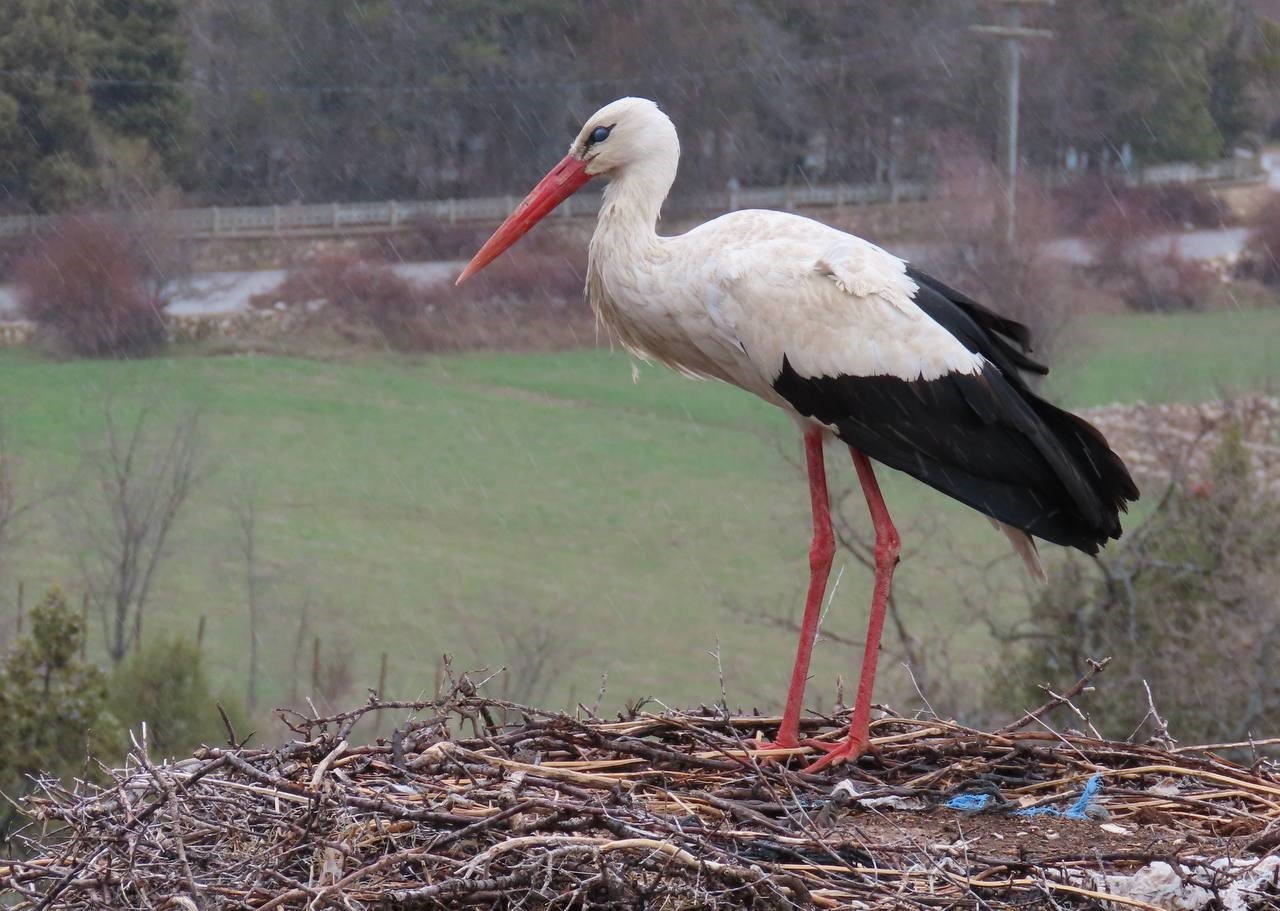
323 100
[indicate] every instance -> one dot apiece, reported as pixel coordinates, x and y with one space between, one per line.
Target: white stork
849 339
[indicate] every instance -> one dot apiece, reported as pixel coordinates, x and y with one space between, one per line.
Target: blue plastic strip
974 803
969 803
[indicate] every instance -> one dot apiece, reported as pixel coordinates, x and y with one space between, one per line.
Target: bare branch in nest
549 811
1161 736
1084 683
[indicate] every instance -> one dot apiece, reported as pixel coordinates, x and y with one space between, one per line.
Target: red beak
561 182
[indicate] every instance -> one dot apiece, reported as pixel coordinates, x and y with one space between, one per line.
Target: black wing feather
977 327
984 439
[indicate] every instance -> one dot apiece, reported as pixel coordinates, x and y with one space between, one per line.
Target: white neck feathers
634 197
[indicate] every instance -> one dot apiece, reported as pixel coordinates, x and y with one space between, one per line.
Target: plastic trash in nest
1243 884
848 792
981 796
1085 806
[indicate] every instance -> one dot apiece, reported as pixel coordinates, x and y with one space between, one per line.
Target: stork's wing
925 380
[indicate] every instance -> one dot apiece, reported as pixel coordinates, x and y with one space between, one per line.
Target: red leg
887 548
821 552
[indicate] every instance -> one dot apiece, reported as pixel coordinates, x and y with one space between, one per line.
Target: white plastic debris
1248 890
1158 884
893 803
1167 787
1247 884
852 790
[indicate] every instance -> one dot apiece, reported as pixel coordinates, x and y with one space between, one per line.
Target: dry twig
665 810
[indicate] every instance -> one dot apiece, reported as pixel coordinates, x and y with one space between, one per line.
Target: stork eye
599 134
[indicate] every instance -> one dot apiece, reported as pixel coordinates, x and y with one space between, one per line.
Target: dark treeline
315 100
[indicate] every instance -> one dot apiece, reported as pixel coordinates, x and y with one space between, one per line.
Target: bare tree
332 674
13 507
530 648
9 506
246 508
299 643
140 478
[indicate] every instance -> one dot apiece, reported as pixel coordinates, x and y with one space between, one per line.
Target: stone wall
16 332
245 325
241 325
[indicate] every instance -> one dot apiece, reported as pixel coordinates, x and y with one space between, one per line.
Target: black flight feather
984 438
976 326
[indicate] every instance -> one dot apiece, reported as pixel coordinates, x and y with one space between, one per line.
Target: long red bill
561 182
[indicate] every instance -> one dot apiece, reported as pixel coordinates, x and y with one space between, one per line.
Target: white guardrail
340 218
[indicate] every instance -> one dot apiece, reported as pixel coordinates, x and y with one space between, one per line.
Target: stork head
624 136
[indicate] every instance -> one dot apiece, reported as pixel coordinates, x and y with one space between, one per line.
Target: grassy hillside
1158 358
482 504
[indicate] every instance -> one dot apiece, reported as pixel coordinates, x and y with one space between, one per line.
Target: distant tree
1145 83
140 482
138 52
868 84
323 99
46 141
10 507
1166 73
246 512
53 706
1242 57
165 685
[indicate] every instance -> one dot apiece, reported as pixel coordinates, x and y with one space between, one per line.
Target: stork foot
847 750
782 743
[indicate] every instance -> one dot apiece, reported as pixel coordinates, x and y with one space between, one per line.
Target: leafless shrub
86 285
427 239
165 257
140 478
1184 206
1128 260
12 250
530 649
1020 280
361 300
1166 208
531 298
332 676
1262 254
1186 602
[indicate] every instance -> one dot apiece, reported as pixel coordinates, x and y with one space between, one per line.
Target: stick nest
532 809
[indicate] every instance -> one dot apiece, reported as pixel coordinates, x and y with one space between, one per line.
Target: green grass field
462 503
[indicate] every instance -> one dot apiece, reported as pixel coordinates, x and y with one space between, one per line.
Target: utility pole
1013 33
